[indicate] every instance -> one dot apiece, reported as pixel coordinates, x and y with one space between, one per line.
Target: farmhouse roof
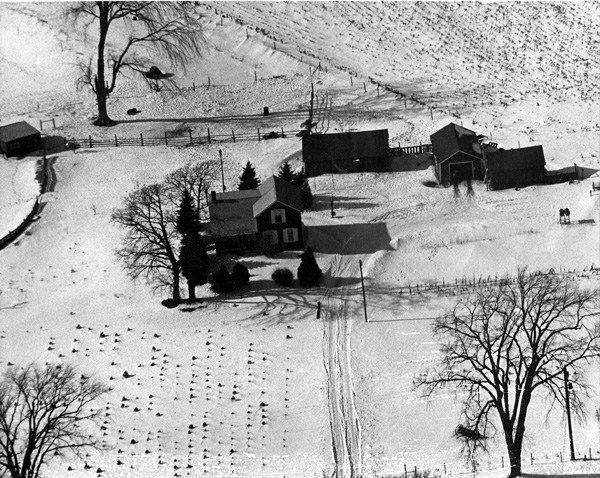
453 138
516 159
275 190
345 146
22 129
231 212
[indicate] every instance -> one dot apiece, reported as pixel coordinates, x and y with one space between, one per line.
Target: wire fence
465 285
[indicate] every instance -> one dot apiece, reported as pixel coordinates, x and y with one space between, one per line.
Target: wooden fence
184 139
420 149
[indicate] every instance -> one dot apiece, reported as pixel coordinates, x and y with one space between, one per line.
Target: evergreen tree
240 276
309 272
306 194
187 216
194 262
248 179
285 172
221 281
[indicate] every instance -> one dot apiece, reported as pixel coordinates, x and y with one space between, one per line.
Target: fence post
208 129
209 81
258 129
415 471
365 86
41 126
166 140
405 473
233 135
90 138
282 133
191 140
142 138
53 124
116 141
194 86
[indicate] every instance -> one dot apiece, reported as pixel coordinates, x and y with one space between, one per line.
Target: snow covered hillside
244 385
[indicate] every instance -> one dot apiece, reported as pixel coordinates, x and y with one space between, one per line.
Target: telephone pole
222 175
568 406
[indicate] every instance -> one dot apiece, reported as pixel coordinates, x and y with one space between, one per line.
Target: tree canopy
503 345
169 28
44 411
248 178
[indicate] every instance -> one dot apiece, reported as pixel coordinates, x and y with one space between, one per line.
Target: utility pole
362 281
222 175
568 405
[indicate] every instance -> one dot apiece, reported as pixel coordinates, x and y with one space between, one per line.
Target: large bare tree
149 248
171 28
44 411
149 215
505 344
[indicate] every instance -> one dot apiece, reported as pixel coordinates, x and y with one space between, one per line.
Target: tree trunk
514 457
176 294
191 291
101 98
101 88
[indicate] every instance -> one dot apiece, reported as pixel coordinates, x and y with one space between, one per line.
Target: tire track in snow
344 422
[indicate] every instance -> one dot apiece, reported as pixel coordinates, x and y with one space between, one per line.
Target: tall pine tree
248 179
187 216
285 172
193 259
194 262
306 194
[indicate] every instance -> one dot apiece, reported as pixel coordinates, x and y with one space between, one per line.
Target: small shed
457 154
516 168
340 153
19 139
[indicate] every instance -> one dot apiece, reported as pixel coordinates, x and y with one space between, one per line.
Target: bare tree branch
41 410
502 344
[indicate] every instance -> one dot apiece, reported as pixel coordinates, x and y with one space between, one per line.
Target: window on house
14 145
290 235
277 216
270 237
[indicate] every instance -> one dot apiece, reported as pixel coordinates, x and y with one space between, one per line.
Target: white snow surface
521 72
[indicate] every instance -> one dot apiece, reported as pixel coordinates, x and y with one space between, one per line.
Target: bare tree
44 411
194 179
150 247
504 344
167 27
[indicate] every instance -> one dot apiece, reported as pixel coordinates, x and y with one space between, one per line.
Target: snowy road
344 420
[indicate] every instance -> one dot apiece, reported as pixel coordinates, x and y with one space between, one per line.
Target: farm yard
257 384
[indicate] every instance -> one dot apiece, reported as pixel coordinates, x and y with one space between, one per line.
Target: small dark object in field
468 434
271 135
133 111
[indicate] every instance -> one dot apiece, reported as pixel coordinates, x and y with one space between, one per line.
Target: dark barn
19 139
457 154
516 168
340 153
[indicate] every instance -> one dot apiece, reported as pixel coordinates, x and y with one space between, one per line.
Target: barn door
462 171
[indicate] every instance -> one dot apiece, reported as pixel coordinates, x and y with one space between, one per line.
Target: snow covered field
239 386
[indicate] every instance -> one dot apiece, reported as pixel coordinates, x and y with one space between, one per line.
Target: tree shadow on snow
285 306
